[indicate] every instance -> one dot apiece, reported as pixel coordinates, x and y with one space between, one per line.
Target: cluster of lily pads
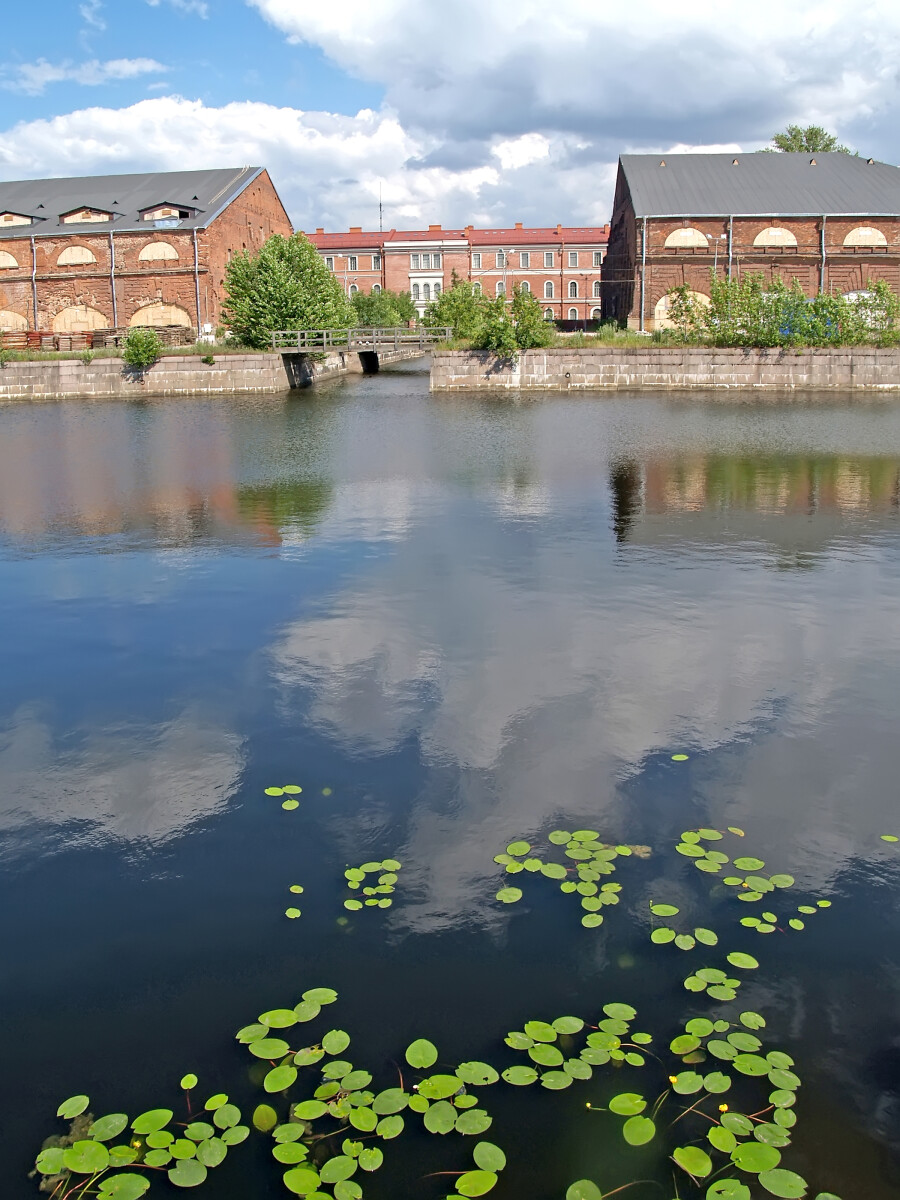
291 790
589 860
90 1161
376 895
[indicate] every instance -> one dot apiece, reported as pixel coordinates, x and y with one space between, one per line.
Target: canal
455 623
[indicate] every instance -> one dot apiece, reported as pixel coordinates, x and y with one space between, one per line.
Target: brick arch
12 321
688 238
661 319
76 256
865 235
79 318
7 262
158 252
775 235
161 314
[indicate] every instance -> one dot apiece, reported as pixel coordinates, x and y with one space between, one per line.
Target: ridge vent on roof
813 163
662 162
735 162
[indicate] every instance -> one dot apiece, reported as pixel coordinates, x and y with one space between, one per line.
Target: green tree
383 309
141 348
460 307
497 331
808 139
528 319
285 286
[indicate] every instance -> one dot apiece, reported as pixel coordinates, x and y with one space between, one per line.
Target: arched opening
661 316
548 290
573 289
353 289
595 314
548 314
437 290
79 318
158 252
597 289
686 239
573 314
7 262
865 235
775 235
12 322
525 286
415 291
76 256
161 314
376 288
426 291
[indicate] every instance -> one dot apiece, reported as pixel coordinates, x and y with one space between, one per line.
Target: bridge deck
372 340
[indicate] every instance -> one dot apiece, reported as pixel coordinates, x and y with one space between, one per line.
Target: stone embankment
670 368
179 375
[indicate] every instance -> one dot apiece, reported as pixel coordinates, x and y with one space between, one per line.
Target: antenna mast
380 212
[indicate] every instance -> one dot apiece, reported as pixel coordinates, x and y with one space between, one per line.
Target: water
472 620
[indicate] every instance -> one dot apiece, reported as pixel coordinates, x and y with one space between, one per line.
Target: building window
573 314
158 252
75 256
414 261
7 262
597 289
10 218
595 314
426 291
85 216
476 288
865 235
548 258
436 261
415 291
476 260
687 238
329 263
548 290
501 259
437 290
573 289
353 289
525 286
775 236
525 259
376 262
426 262
376 287
501 288
598 258
548 314
354 263
573 258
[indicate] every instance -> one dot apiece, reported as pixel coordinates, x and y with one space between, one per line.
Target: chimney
356 228
320 230
559 229
432 228
518 224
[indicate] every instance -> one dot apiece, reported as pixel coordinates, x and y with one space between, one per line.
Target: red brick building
561 266
117 250
830 221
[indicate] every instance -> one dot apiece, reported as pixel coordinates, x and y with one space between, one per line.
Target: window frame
414 262
573 259
548 290
376 262
573 289
525 259
329 261
476 260
353 262
598 258
548 259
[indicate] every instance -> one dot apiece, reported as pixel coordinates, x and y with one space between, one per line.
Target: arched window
437 290
415 291
426 291
573 314
865 235
158 252
159 314
501 288
548 290
376 288
595 314
573 289
7 262
78 318
548 314
525 286
12 321
597 289
775 236
353 289
476 288
661 318
75 256
686 239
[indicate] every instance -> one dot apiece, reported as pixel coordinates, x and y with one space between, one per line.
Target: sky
481 111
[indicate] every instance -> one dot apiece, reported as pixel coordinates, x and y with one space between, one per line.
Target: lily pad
638 1131
627 1104
489 1157
476 1183
584 1189
693 1160
509 895
783 1183
187 1172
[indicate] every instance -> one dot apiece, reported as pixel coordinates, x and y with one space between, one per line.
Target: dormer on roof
14 218
168 211
85 216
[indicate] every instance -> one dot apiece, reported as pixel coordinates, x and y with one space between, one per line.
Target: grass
201 348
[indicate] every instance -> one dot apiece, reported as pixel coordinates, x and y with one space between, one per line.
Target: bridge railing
399 338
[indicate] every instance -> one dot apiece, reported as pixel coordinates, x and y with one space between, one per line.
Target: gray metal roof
207 193
761 184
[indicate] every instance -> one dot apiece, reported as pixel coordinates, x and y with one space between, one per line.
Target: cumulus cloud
34 78
649 73
198 7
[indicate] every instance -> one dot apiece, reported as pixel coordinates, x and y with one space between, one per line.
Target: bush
285 286
384 309
528 318
460 307
141 348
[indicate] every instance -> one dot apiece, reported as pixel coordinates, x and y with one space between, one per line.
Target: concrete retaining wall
668 367
176 375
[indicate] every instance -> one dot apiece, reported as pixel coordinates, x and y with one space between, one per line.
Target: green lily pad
664 910
86 1157
123 1187
479 1074
520 1076
421 1054
279 1079
786 1184
105 1128
187 1172
151 1121
302 1181
265 1118
745 961
473 1122
509 895
627 1104
638 1131
489 1157
706 936
518 849
556 1081
476 1183
693 1160
584 1189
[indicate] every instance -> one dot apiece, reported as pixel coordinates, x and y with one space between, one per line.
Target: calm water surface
472 621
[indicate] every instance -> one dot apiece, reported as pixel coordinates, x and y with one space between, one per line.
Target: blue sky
488 111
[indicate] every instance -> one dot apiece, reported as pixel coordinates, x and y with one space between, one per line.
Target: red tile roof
509 238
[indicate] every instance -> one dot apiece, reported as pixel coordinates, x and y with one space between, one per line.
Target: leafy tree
384 309
460 307
285 286
528 318
141 348
497 331
809 139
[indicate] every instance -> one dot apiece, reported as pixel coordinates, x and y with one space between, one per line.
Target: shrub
87 356
385 309
141 348
460 307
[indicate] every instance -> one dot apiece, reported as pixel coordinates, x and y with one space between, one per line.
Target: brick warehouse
561 266
831 221
117 250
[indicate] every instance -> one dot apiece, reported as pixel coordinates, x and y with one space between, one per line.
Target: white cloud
199 7
90 13
522 151
34 78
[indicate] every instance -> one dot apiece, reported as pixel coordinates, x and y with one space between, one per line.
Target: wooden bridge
360 341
